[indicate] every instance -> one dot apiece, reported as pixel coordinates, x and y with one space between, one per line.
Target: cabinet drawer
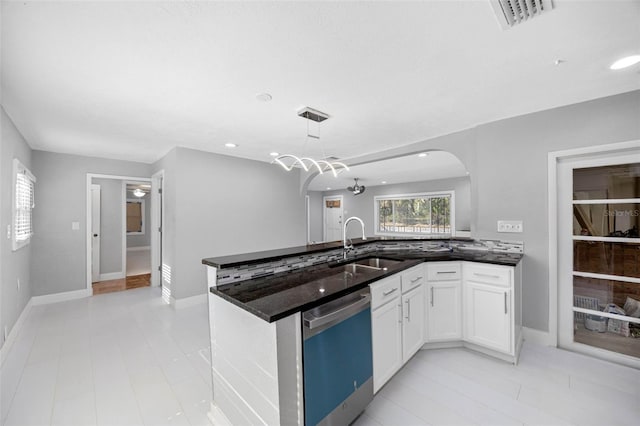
445 271
384 290
412 278
488 274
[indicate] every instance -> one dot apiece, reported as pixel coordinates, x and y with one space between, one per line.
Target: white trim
140 248
606 239
187 302
15 330
324 212
112 276
607 277
157 209
60 297
609 201
553 160
90 177
537 337
307 204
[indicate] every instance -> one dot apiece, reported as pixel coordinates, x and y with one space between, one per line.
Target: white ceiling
131 80
410 168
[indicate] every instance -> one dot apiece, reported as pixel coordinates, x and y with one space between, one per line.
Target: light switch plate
514 226
75 226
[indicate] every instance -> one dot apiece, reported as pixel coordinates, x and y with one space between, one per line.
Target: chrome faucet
344 235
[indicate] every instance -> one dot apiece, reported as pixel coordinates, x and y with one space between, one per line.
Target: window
135 217
415 214
23 203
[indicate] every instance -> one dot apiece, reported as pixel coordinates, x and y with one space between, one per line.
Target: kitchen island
255 306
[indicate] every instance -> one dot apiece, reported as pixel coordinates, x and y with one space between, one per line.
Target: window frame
142 218
434 194
21 169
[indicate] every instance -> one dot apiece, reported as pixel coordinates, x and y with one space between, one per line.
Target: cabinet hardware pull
431 296
416 279
408 310
446 272
486 275
505 302
388 292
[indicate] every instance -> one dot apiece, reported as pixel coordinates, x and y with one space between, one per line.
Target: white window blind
23 204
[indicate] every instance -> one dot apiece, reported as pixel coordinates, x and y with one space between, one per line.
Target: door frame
88 260
555 238
95 251
324 212
157 222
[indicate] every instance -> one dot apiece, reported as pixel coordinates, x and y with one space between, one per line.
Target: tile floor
128 359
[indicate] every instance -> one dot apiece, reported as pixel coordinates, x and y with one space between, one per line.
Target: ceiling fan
356 189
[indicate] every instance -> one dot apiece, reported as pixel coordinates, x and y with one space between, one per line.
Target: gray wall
61 191
315 216
110 225
143 240
362 205
507 161
219 205
15 265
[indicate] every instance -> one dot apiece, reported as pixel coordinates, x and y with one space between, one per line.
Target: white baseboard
141 248
15 330
538 337
112 276
189 301
61 297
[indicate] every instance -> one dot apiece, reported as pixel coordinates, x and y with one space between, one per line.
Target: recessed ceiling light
625 62
230 145
383 182
422 154
328 188
263 97
274 154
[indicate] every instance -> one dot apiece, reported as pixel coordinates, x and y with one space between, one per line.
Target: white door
488 316
157 228
95 233
386 333
413 322
333 218
444 302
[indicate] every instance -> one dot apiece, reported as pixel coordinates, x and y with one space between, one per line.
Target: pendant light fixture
289 161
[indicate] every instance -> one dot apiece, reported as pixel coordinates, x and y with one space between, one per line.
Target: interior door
333 218
95 233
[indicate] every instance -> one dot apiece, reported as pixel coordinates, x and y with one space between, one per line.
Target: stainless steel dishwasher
337 360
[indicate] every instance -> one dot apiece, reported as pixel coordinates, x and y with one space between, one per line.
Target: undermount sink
369 263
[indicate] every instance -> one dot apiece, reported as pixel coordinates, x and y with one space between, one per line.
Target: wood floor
134 281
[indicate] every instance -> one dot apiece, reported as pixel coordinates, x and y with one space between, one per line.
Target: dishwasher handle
338 314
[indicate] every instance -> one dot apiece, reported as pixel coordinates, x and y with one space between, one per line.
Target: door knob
95 235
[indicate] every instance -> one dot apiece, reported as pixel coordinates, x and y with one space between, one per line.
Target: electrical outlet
514 226
18 284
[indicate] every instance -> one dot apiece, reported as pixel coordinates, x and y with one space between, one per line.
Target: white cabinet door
386 330
412 322
444 311
488 316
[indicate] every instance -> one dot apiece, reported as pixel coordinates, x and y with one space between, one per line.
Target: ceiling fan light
138 192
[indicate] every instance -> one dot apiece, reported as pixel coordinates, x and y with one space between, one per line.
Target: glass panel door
606 257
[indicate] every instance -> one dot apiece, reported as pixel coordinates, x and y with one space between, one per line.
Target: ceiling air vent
513 12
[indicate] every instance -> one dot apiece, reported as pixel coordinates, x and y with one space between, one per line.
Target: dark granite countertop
277 296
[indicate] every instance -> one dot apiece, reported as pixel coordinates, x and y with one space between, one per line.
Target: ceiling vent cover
513 12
